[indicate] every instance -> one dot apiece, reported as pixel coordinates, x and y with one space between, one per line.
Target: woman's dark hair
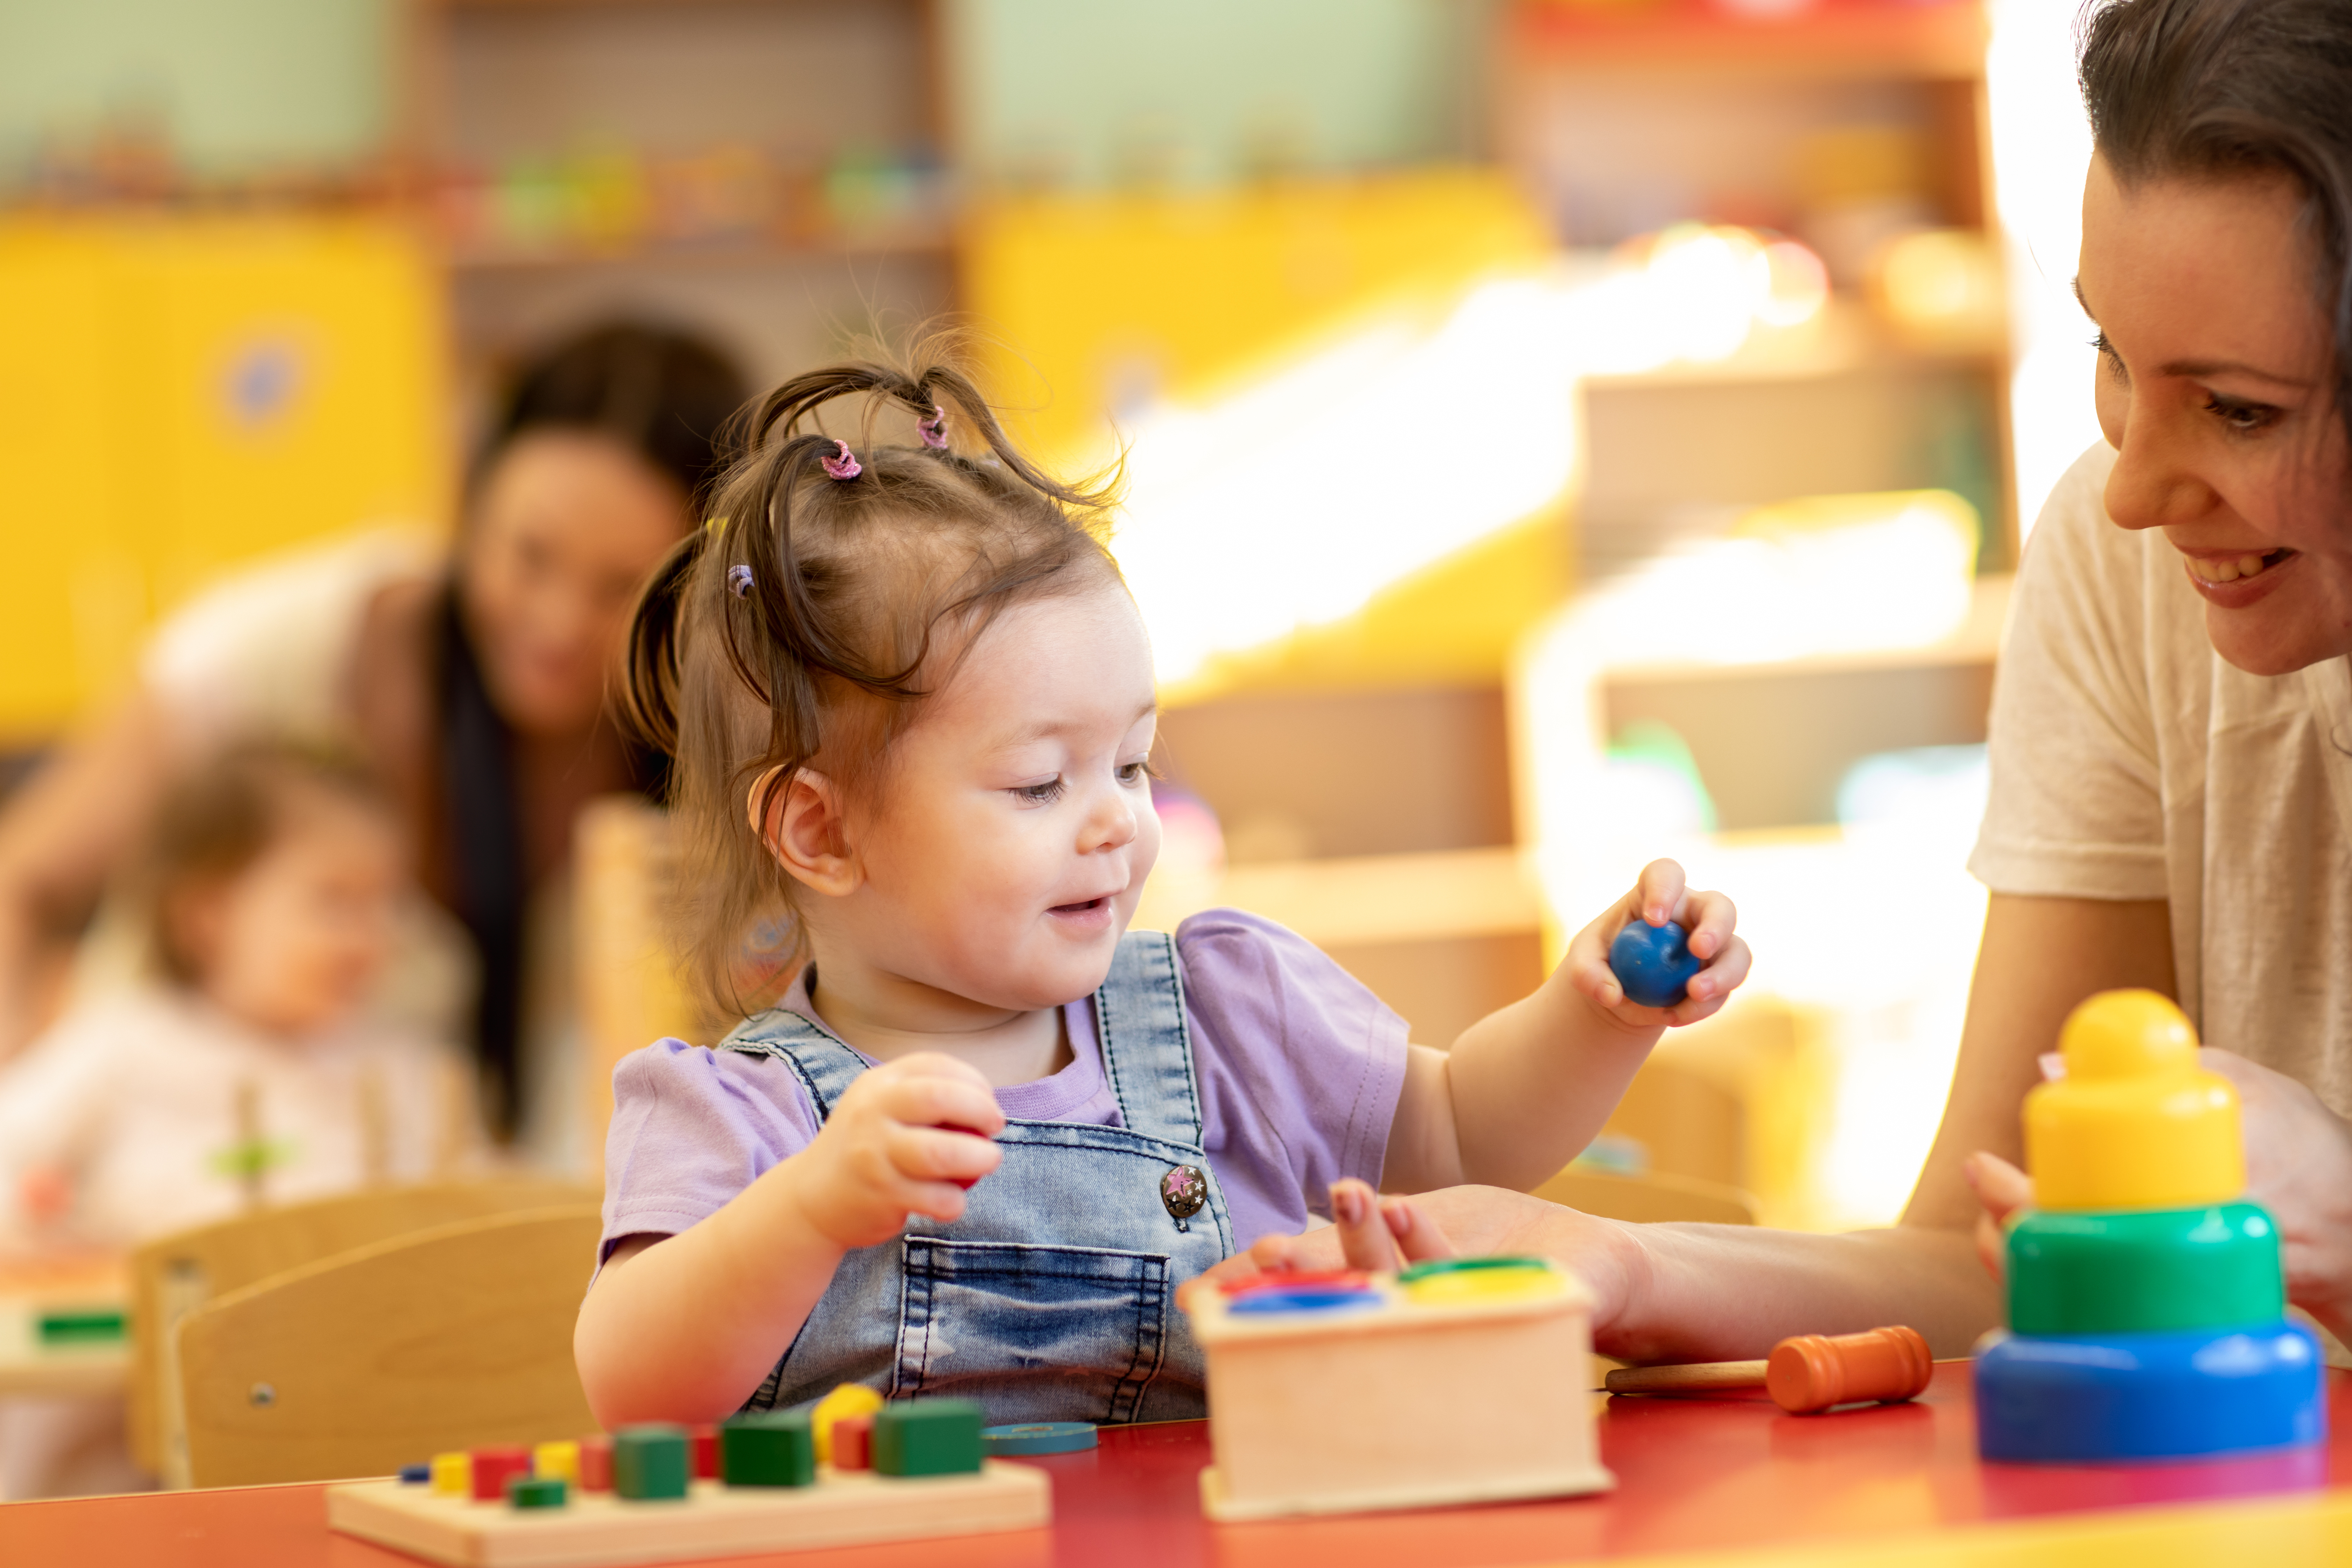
809 620
666 396
2213 88
662 394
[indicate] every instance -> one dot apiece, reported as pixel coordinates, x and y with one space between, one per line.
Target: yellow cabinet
180 394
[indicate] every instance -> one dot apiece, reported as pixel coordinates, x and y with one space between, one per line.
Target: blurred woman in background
474 685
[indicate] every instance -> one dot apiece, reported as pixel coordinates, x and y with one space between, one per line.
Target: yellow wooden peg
453 1474
2135 1122
849 1399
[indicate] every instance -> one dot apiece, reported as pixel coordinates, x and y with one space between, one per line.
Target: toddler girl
240 1075
987 1131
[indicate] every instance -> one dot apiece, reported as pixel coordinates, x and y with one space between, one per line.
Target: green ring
1467 1265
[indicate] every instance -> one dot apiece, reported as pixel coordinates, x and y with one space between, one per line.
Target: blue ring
1038 1437
1306 1298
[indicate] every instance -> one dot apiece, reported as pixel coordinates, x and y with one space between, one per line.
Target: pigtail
648 692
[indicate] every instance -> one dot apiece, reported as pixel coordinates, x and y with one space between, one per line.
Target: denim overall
1053 1299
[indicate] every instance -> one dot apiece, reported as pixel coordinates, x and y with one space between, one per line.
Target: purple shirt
1299 1068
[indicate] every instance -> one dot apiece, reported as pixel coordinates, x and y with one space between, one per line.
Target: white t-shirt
2130 761
145 1102
266 652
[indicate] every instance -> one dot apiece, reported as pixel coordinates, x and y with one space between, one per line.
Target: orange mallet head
1812 1372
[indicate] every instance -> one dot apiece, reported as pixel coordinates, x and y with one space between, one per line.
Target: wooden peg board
597 1530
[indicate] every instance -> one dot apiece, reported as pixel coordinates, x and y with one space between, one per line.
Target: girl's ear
808 832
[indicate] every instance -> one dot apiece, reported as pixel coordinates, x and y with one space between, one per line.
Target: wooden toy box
1455 1382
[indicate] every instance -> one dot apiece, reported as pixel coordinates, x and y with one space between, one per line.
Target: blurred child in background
242 1073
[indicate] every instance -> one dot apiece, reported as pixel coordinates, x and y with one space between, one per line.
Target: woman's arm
1526 1087
1699 1292
62 836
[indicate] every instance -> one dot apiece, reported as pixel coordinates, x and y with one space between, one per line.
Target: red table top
1693 1473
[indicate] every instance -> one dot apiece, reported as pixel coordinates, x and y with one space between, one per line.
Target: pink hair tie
934 430
844 465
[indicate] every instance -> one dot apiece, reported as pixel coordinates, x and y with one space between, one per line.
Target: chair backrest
172 1275
631 993
1648 1199
448 1339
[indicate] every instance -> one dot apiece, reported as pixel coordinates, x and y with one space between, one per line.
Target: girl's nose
1112 825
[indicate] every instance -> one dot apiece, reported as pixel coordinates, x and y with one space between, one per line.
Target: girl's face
568 524
292 943
2215 388
1015 829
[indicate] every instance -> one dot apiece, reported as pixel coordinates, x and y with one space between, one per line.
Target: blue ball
1654 963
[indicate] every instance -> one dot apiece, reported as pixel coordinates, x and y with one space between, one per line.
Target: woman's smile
2236 579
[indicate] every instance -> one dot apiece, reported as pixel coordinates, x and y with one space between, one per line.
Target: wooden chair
451 1337
1648 1199
173 1275
631 993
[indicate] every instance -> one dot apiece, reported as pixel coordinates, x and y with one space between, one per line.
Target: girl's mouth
1087 908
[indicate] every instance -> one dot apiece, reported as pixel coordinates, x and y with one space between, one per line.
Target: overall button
1184 1190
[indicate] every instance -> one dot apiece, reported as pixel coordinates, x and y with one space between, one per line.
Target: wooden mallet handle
1804 1373
1697 1377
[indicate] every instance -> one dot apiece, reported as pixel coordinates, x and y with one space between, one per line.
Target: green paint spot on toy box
650 1462
776 1449
928 1437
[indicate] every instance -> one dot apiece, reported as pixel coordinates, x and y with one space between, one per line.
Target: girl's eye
1040 794
2239 415
1134 773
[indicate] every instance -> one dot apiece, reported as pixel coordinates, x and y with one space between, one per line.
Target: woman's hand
1660 897
2004 1189
2299 1166
1382 1233
906 1138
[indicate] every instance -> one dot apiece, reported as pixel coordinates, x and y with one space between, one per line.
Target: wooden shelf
1933 40
1380 897
1975 641
1844 340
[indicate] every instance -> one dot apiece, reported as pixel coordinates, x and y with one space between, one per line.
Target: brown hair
2212 89
221 819
798 626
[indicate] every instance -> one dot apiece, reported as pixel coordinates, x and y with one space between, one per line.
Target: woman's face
568 524
2215 387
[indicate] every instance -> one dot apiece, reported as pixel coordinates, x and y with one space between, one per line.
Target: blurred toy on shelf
604 200
1350 1393
2146 1304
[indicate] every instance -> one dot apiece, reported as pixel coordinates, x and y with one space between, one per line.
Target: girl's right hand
905 1138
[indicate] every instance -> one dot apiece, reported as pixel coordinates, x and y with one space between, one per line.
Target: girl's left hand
1658 898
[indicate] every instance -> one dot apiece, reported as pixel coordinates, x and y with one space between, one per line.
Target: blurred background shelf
1929 39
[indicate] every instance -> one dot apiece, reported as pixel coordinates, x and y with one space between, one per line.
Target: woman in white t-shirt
474 685
2173 724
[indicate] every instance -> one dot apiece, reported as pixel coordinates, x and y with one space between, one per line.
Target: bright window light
2040 148
1291 502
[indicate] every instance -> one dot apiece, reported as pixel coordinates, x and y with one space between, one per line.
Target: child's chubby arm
684 1327
1525 1088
